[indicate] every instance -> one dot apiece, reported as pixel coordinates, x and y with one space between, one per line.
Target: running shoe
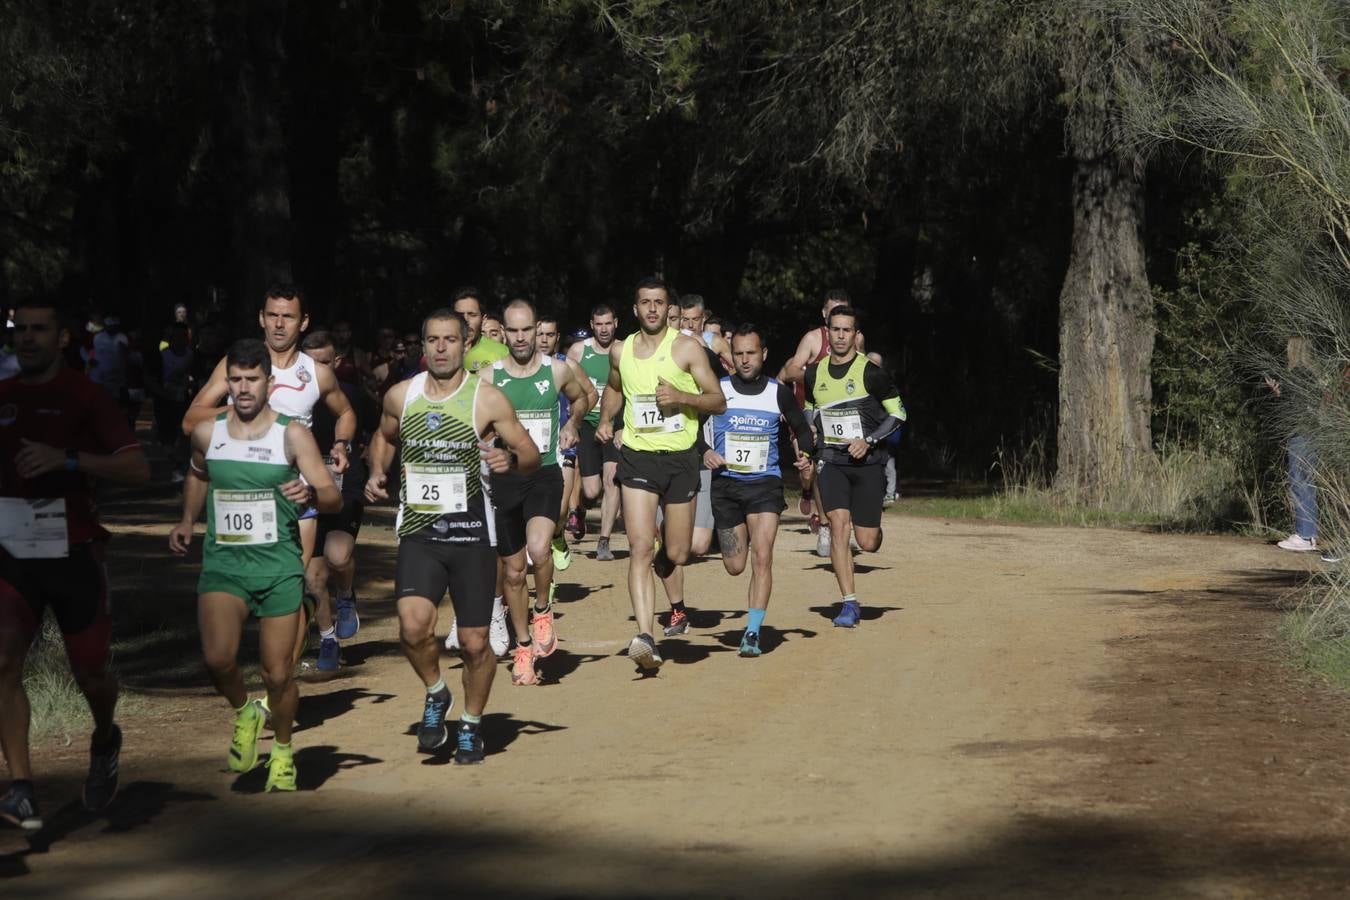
642 651
432 733
328 655
19 808
543 636
522 666
889 499
750 644
562 556
452 639
576 523
679 623
823 543
499 639
280 770
248 722
468 745
348 622
100 785
849 615
602 551
1298 543
1331 556
265 708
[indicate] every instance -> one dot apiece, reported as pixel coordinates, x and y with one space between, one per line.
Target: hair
601 309
655 283
711 321
466 292
249 353
446 312
746 329
284 290
518 302
547 317
317 340
836 294
494 315
689 301
843 311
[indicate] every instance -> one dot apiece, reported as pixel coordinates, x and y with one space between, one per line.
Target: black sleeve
809 380
879 384
787 402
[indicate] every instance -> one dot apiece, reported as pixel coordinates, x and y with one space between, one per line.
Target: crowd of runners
493 440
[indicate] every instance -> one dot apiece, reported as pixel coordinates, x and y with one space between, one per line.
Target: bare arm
206 405
194 490
304 455
383 443
344 429
502 420
795 368
576 387
688 353
723 350
612 402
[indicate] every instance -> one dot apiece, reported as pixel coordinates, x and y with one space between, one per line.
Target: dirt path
1027 711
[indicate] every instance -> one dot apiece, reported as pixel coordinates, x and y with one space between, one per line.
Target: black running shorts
468 571
519 498
671 475
347 519
857 488
76 590
735 498
591 454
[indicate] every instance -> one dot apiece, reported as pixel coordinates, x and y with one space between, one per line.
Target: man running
247 469
298 384
747 487
334 560
811 349
547 336
58 432
597 460
480 350
857 406
528 505
442 419
663 381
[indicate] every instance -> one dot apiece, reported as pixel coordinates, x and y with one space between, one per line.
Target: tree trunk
1106 319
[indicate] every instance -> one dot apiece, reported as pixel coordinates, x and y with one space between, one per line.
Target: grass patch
1041 508
1317 648
58 708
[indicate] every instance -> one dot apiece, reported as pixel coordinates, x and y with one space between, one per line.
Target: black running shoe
19 808
433 733
100 786
468 745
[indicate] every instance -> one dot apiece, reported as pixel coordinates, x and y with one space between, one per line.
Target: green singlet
535 400
595 363
484 353
250 527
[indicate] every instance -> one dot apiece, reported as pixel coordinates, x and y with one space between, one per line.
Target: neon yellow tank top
647 426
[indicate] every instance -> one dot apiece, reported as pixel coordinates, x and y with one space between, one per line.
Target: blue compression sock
756 620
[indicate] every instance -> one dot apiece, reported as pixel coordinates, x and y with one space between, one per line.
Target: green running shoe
280 770
248 723
562 557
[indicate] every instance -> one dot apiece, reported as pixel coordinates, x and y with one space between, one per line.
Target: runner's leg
763 531
220 621
538 536
609 504
639 514
840 555
517 596
18 626
735 548
275 642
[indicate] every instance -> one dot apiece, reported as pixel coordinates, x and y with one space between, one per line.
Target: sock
541 610
524 643
677 607
756 620
850 598
437 687
470 718
496 607
280 749
325 634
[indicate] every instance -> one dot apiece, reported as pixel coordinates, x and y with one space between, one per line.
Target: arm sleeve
787 402
880 385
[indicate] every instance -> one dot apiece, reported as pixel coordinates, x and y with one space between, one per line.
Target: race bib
599 390
841 425
337 476
539 423
747 453
648 418
34 529
246 518
436 488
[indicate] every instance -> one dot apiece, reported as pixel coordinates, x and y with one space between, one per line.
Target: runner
597 460
811 349
253 469
297 385
493 326
334 558
528 506
481 350
546 336
58 432
857 407
663 381
747 489
692 318
447 533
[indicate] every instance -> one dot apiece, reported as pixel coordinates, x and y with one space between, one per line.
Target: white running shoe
452 639
823 542
498 637
1298 544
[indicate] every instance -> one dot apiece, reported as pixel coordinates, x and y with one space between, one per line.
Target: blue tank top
746 435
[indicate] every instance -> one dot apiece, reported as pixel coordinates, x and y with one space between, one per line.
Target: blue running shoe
348 622
849 615
19 808
750 644
432 733
468 745
328 655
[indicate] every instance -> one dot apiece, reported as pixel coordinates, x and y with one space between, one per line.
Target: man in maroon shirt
58 431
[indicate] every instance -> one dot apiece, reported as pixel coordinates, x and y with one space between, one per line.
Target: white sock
325 634
497 611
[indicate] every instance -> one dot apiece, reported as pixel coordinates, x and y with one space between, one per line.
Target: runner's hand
667 395
498 459
297 491
340 462
604 432
859 448
618 439
712 459
180 538
375 488
34 460
567 436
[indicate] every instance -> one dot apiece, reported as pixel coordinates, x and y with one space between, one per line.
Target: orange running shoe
545 639
522 668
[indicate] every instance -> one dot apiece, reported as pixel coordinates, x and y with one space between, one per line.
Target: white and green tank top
442 496
250 527
535 400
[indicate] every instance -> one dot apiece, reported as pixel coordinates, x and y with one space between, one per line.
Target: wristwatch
346 444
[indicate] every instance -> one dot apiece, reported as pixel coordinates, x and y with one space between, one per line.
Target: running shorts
735 498
468 571
76 589
591 454
348 519
670 474
857 488
519 498
266 595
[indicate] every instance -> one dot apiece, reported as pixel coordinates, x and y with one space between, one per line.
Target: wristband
72 460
